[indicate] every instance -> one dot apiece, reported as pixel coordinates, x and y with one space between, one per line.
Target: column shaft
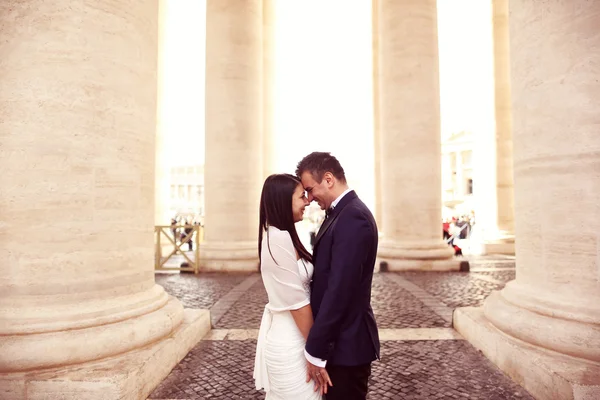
162 186
234 149
410 137
552 309
501 238
268 77
78 106
376 113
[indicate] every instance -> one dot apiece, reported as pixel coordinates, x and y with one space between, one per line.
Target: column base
503 245
543 373
418 256
229 256
132 375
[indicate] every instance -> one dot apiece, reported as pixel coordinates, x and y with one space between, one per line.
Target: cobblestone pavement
397 308
199 291
213 370
492 265
503 276
247 312
419 369
455 289
442 369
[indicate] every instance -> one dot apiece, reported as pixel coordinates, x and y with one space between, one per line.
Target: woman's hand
319 376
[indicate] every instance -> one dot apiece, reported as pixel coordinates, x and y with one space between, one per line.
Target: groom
343 340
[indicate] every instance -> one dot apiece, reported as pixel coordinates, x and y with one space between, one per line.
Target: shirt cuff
315 361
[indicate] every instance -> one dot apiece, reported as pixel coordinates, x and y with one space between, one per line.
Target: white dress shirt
313 360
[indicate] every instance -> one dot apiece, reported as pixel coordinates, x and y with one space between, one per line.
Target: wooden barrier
166 231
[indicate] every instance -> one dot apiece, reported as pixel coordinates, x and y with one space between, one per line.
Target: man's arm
352 241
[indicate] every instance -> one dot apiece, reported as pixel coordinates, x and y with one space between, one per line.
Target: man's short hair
318 163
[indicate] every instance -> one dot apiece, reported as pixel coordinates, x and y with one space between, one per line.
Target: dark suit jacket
344 332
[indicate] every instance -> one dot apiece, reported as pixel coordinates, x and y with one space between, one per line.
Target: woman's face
299 203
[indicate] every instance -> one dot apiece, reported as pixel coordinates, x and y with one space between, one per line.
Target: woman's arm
304 319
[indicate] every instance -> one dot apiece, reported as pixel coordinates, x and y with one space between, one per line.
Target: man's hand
319 376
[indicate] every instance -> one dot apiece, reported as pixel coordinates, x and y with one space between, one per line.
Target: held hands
319 376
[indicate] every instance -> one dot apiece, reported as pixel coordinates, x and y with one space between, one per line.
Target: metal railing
191 234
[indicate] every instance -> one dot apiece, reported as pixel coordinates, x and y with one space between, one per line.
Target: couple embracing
318 334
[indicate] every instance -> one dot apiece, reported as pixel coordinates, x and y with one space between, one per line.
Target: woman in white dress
286 269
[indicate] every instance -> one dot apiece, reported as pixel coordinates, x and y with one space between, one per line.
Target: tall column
268 77
162 187
234 170
78 106
376 112
543 329
502 239
410 138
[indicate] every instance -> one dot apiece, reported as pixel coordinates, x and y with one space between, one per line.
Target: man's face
319 192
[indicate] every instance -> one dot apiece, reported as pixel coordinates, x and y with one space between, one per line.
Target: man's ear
329 179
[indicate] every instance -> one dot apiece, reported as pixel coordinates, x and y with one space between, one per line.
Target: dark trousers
349 383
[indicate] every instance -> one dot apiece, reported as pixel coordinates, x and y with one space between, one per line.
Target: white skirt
281 347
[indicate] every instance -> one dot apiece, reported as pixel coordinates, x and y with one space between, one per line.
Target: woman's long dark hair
276 210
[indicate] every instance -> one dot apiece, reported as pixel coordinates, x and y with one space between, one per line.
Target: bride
280 366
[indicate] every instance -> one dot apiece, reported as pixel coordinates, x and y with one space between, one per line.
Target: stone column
162 187
376 112
79 301
543 329
268 76
502 239
410 138
234 169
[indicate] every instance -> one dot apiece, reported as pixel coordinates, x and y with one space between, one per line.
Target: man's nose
310 197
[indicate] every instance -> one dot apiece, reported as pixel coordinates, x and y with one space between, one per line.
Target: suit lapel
337 211
326 224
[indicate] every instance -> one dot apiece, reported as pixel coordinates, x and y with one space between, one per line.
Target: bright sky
323 85
466 69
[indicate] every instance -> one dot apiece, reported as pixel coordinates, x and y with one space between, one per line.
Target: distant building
187 192
457 174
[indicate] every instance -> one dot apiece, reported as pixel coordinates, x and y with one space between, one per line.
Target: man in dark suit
343 340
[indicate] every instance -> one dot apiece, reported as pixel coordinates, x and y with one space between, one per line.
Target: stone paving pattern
503 276
199 291
439 369
396 308
247 312
493 265
454 289
443 369
213 370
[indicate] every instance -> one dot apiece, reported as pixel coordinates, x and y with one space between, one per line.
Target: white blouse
285 278
287 282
